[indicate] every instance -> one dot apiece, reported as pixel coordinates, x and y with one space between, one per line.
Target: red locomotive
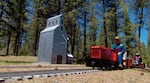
107 58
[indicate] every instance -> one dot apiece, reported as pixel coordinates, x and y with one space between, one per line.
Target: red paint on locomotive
102 56
100 52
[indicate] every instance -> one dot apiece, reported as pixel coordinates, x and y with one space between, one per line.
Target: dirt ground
36 67
116 76
29 63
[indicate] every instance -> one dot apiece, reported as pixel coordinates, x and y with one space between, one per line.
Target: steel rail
15 76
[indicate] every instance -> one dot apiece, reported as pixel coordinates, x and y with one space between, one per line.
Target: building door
59 59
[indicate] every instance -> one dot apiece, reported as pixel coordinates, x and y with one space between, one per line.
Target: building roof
50 28
55 17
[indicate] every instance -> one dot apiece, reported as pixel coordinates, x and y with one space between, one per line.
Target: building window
53 23
56 22
49 24
61 28
62 22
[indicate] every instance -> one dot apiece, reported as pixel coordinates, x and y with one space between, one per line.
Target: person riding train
120 49
137 59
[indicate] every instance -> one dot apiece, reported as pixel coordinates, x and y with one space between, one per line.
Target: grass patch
14 62
8 60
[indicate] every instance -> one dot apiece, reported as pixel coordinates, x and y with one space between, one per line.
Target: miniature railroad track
14 76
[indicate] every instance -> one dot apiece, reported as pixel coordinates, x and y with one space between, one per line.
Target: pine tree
138 6
148 48
111 18
104 24
128 30
92 31
70 22
76 14
78 44
145 54
83 20
1 14
15 18
44 9
148 39
100 39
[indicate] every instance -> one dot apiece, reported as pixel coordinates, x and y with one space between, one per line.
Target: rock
142 73
39 66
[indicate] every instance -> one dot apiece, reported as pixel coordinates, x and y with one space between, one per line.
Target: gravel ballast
116 76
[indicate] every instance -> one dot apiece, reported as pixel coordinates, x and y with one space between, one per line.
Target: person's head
117 40
137 54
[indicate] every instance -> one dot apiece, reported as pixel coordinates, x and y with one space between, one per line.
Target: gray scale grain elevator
53 42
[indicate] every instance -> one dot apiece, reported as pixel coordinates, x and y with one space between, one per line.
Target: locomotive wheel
93 64
103 68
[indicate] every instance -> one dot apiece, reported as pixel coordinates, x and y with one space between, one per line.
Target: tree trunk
16 43
2 10
84 33
18 30
61 6
73 40
149 39
8 43
104 24
35 42
139 33
68 42
115 19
